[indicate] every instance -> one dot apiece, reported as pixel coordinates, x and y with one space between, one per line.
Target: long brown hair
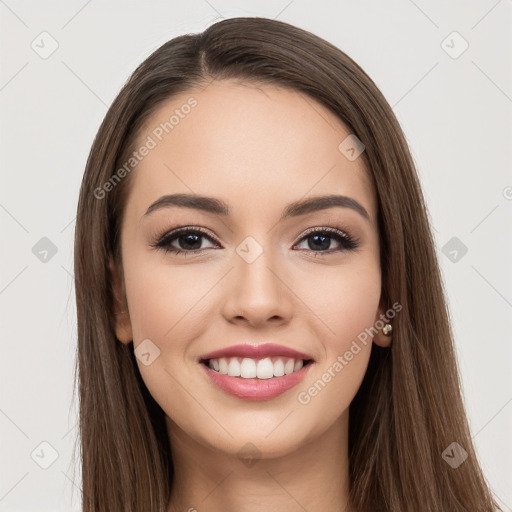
408 409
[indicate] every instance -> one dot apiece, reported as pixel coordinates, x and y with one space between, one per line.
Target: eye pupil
190 239
324 245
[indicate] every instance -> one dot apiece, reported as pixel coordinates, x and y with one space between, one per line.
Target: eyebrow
295 209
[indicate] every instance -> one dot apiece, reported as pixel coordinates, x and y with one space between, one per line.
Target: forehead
247 144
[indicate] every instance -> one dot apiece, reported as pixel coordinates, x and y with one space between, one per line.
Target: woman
261 318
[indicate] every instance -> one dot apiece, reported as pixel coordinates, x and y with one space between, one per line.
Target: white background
456 113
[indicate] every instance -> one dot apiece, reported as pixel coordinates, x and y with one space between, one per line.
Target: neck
313 476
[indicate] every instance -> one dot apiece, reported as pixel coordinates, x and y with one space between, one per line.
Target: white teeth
248 368
279 368
265 368
223 365
234 367
288 367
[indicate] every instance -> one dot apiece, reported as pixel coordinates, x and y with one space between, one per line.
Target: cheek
327 394
346 307
345 301
164 301
167 306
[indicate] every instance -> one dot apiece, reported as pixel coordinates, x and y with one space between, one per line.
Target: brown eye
319 240
184 240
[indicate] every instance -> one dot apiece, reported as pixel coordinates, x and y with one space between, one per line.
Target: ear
380 338
121 321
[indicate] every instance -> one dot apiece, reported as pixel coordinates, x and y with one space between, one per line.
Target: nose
257 293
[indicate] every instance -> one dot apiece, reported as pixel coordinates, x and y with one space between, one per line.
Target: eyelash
163 242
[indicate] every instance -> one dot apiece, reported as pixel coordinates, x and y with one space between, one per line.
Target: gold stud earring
387 329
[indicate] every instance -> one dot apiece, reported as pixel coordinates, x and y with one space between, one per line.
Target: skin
258 148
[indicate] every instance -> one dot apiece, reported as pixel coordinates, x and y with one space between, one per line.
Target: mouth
255 379
256 372
252 368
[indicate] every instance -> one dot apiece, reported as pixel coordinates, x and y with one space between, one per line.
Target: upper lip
256 352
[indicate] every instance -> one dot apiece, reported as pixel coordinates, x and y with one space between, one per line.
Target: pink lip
256 352
256 389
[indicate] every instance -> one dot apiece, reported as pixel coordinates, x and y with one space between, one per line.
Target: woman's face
257 275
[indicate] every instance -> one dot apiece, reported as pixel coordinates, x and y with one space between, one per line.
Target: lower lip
256 389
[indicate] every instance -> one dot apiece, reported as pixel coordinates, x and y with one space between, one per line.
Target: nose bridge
257 293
